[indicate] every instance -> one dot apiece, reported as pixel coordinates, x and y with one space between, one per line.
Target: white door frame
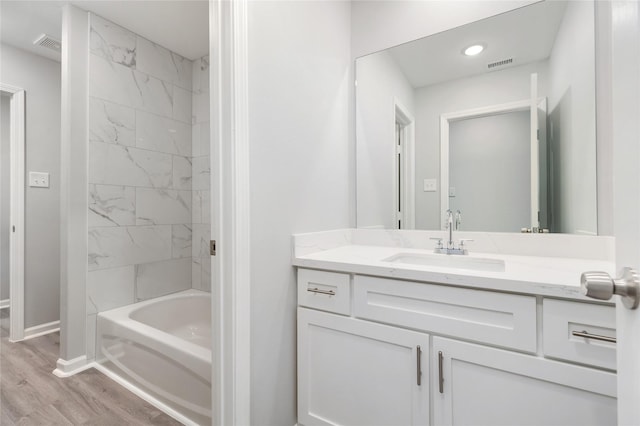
16 215
230 222
407 183
450 117
625 90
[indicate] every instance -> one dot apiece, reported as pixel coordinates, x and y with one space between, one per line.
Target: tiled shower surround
148 172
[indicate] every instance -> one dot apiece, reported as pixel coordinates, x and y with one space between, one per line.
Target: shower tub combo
161 350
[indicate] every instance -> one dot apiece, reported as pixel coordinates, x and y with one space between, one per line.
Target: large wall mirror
495 120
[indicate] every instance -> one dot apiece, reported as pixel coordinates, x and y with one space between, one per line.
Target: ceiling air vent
48 42
501 63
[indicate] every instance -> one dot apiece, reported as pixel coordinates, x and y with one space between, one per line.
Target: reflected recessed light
473 50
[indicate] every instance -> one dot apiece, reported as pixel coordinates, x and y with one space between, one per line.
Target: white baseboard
4 304
142 394
73 366
41 330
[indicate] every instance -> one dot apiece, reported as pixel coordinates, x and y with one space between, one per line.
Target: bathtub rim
120 318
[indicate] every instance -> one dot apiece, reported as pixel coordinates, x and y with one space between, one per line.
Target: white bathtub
162 347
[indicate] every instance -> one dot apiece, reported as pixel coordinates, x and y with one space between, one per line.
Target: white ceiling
179 25
526 34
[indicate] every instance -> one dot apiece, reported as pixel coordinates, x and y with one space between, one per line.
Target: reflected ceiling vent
48 42
499 64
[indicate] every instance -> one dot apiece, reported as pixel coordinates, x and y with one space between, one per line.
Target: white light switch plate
38 180
452 191
430 185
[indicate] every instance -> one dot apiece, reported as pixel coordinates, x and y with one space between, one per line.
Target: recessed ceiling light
473 50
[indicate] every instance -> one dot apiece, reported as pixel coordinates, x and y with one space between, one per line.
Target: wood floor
31 395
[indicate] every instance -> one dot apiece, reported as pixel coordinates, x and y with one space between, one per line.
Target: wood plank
31 395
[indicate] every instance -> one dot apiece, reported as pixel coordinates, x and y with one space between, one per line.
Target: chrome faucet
450 228
451 247
458 220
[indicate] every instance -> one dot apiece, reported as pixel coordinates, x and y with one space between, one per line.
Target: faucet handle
464 240
439 241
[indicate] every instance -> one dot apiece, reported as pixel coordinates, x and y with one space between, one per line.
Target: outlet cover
430 185
38 180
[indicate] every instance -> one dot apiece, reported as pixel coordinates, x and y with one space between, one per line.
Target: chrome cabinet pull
419 367
440 375
587 335
317 290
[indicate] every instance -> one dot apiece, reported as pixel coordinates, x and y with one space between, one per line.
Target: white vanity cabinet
353 372
487 386
377 350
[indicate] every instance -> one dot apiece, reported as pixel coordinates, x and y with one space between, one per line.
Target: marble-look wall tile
205 280
111 205
205 199
181 240
113 82
162 134
118 246
162 206
112 42
120 84
201 74
196 273
200 136
160 278
111 123
201 173
200 239
196 207
163 64
110 288
182 104
201 209
182 169
200 106
121 165
156 95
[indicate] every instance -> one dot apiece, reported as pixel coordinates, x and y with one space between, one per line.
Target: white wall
380 84
40 78
511 84
299 85
4 195
572 115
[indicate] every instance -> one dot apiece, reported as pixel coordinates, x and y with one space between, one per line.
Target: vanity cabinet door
487 386
353 372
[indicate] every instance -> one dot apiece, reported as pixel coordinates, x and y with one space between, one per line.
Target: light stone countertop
539 275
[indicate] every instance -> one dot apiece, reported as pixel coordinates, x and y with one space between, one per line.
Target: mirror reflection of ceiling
181 26
532 32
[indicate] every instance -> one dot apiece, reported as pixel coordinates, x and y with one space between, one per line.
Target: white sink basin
448 261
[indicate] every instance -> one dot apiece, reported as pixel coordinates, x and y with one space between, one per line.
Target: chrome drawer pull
593 336
419 367
440 372
317 290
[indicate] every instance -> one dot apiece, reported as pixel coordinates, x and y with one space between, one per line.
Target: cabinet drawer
562 318
499 319
328 291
